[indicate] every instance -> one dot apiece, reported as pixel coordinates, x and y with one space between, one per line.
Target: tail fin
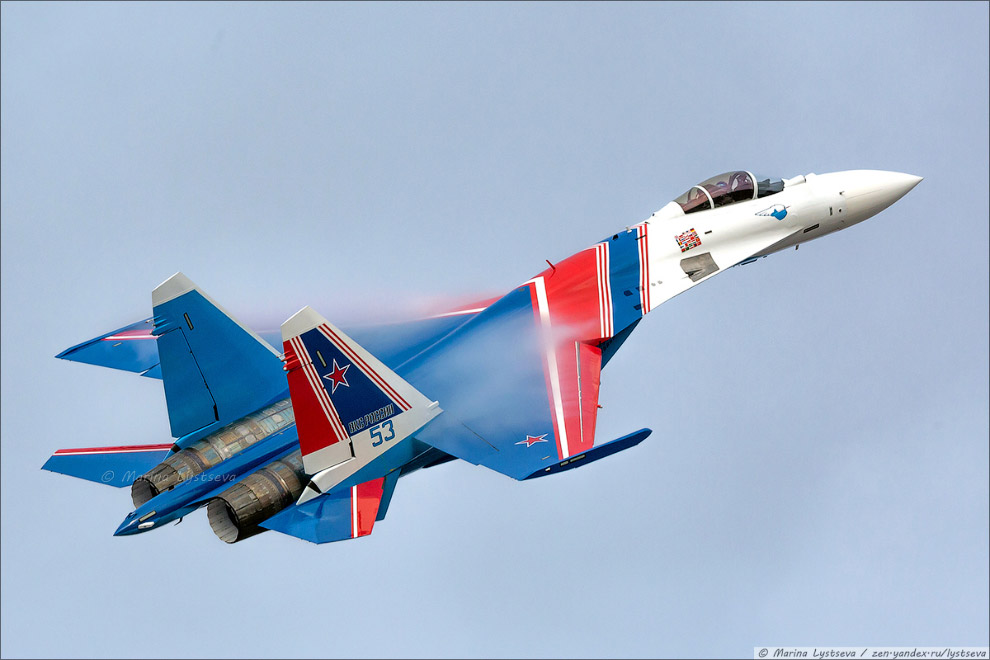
214 369
345 400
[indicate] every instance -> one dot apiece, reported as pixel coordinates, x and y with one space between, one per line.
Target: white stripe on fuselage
541 301
642 237
607 288
354 513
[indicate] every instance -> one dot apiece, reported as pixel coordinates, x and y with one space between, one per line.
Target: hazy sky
818 471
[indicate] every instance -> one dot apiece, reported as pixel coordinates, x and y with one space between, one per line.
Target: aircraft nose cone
894 185
871 191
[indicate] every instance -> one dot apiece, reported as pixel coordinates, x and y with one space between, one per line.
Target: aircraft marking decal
533 439
778 211
644 266
604 291
336 425
337 376
382 384
688 240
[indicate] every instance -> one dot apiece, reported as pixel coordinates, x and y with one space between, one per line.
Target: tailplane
112 466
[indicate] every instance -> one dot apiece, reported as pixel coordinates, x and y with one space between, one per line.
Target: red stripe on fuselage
644 266
124 449
130 334
602 304
607 289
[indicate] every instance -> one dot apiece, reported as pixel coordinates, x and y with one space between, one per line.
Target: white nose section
867 192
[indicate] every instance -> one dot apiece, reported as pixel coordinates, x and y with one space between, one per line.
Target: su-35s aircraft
312 441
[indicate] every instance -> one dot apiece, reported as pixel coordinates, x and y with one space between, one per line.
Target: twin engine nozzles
212 450
235 513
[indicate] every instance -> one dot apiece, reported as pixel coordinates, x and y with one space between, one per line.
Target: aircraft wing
520 396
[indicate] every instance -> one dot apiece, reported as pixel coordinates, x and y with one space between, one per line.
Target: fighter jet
311 441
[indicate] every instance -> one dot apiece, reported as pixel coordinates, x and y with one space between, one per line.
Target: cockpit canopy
726 189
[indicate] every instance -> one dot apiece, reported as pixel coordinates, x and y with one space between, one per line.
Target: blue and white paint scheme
311 441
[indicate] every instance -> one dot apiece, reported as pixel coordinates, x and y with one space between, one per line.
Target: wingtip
302 321
171 289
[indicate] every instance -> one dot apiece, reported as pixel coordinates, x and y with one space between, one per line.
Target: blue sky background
818 471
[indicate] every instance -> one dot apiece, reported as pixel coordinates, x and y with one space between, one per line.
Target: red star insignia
337 376
533 439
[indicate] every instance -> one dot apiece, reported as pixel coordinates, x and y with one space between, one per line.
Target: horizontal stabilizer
336 516
131 348
113 466
214 369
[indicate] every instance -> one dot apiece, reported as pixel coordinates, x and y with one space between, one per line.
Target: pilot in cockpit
726 189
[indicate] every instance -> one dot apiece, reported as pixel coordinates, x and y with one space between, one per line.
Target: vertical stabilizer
347 403
214 369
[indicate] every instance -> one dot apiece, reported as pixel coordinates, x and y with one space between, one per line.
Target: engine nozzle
237 512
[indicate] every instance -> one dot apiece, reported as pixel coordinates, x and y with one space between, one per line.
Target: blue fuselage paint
624 276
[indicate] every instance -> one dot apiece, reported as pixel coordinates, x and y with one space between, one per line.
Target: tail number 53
382 433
